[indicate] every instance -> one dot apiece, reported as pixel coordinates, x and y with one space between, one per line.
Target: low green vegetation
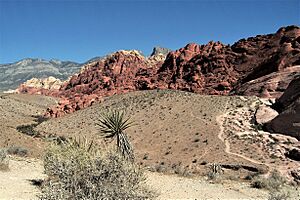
279 195
274 183
77 172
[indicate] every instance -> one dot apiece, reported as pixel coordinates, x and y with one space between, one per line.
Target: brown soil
175 132
179 132
16 110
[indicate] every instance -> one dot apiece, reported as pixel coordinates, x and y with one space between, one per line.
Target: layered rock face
40 86
262 65
205 69
263 55
119 72
271 85
243 68
288 121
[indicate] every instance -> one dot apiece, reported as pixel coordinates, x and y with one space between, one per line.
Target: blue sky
79 30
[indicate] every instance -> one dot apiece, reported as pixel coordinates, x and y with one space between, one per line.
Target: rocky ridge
14 74
214 68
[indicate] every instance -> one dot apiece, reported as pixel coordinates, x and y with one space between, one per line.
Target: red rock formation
205 69
218 69
288 121
271 85
214 68
265 54
120 72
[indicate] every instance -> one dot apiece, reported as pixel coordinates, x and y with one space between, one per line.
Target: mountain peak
160 50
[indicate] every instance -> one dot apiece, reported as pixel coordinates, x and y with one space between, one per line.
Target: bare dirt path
15 184
220 120
174 187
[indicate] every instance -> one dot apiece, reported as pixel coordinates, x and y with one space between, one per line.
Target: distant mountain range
13 74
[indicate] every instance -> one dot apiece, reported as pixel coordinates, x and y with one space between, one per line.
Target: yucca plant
113 125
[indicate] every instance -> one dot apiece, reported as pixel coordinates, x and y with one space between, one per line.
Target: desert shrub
251 176
16 150
259 183
77 173
274 182
279 196
3 160
28 130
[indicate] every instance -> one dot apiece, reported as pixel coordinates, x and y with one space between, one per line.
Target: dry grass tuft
77 173
17 150
4 161
279 195
274 182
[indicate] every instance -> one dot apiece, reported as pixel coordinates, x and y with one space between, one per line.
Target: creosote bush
76 172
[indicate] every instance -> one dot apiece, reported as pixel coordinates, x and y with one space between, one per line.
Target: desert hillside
175 133
186 131
22 110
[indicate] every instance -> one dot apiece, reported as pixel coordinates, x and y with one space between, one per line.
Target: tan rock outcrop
288 121
265 114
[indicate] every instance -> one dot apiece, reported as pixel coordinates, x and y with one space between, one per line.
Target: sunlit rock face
288 121
262 65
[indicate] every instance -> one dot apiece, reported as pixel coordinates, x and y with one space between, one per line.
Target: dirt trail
174 187
220 120
15 184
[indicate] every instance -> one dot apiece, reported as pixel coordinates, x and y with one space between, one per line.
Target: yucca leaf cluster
113 125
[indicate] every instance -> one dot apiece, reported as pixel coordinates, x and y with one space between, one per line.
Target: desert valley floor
176 138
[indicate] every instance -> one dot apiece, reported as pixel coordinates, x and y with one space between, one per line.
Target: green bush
113 125
77 173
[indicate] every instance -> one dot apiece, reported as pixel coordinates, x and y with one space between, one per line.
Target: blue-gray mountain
13 74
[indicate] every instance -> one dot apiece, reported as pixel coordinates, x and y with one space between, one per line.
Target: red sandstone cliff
261 65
